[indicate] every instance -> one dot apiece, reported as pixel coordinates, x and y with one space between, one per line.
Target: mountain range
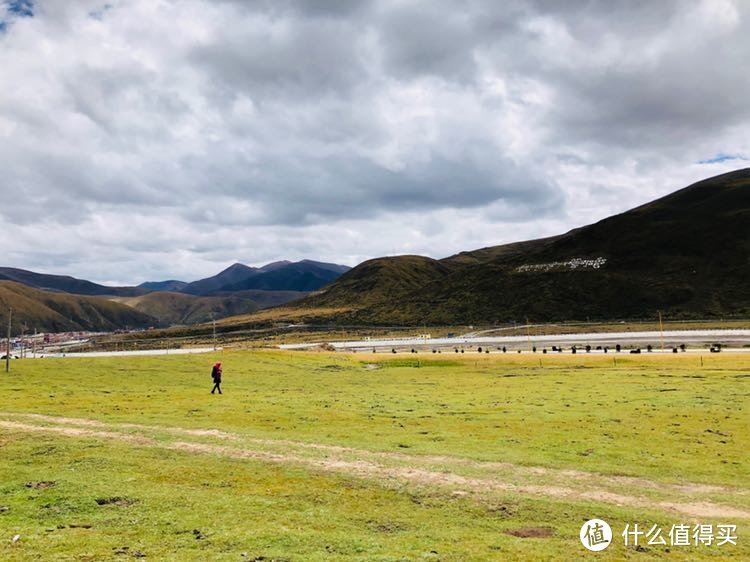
686 255
305 276
42 300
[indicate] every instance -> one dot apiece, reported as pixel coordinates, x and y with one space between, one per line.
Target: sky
167 139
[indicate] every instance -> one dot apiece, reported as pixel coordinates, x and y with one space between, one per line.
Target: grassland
317 456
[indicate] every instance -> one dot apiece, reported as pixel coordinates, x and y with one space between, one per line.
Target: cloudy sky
156 139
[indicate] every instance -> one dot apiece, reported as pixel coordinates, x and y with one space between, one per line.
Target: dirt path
460 476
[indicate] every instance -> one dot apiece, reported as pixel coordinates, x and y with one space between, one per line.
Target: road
669 339
181 351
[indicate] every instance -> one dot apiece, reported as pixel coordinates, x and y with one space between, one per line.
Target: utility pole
661 331
528 334
214 322
33 345
7 348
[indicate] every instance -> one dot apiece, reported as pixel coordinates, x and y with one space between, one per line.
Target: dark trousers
217 386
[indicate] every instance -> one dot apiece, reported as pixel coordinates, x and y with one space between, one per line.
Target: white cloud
150 140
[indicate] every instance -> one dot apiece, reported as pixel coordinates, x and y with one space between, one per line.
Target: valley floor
320 456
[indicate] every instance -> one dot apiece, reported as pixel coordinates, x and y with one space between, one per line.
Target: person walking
216 376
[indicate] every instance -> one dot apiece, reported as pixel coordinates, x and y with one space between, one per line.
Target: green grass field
323 456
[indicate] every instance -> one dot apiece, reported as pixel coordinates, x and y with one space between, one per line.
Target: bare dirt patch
43 485
116 501
531 532
386 527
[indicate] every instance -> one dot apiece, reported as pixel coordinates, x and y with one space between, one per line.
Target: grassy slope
60 312
64 283
376 282
663 418
684 254
265 299
178 308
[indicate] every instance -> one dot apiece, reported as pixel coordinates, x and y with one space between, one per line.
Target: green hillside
177 308
373 283
58 312
65 283
687 255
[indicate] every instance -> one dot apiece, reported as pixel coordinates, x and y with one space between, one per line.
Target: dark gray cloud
641 75
416 39
272 59
145 139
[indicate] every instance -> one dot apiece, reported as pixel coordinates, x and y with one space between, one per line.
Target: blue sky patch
721 157
21 8
15 9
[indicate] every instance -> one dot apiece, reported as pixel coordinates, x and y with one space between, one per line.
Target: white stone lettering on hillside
574 263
